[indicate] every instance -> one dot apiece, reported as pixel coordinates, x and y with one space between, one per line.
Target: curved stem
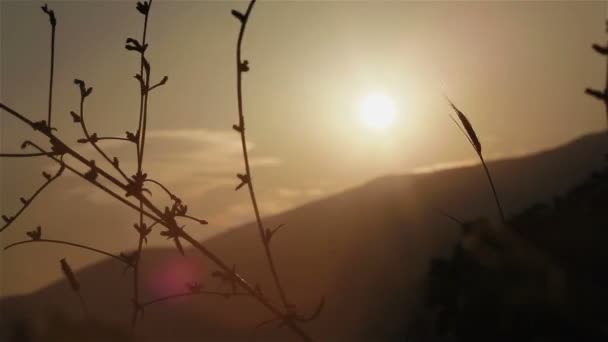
190 294
254 202
498 205
86 134
112 138
60 242
26 155
50 105
141 134
32 198
136 305
451 217
171 195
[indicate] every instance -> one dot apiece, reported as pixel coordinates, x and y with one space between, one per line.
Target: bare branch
27 155
26 202
92 138
201 221
67 243
191 294
53 22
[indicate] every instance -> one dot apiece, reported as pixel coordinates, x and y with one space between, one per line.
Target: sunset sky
518 70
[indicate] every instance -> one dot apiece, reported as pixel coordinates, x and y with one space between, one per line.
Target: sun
377 111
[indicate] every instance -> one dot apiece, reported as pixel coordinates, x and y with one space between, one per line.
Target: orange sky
517 69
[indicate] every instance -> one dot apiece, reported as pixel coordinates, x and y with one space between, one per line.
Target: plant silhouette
108 175
518 284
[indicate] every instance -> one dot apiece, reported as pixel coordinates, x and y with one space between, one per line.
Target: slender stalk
32 198
469 132
141 130
165 189
489 175
143 96
136 304
256 210
26 155
93 143
83 306
52 72
67 243
74 285
190 294
451 217
112 138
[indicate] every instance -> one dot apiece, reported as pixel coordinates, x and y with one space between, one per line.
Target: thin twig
67 243
141 133
258 218
489 175
449 216
171 194
190 294
93 143
113 138
33 197
195 219
27 155
53 22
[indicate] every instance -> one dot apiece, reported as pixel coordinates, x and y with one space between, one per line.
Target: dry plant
468 131
109 176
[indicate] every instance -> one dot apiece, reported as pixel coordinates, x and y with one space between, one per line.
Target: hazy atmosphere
339 93
516 67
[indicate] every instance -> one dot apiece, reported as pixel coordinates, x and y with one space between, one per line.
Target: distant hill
367 250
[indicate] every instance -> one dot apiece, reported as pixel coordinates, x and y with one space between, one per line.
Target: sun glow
377 111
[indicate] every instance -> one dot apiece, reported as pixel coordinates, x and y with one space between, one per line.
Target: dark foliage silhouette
528 282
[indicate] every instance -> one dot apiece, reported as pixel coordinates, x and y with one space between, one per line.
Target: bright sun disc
377 111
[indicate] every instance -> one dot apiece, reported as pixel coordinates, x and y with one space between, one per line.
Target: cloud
293 193
444 166
288 192
191 162
242 212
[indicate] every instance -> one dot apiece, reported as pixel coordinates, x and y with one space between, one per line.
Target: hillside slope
365 249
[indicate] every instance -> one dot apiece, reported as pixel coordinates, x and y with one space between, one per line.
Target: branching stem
254 202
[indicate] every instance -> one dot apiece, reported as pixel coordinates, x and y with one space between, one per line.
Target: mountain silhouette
366 250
